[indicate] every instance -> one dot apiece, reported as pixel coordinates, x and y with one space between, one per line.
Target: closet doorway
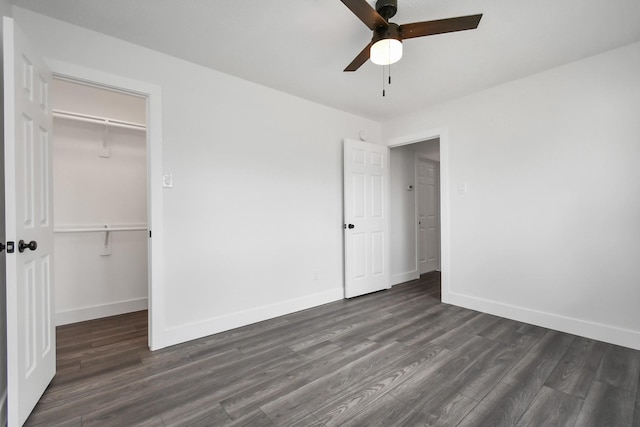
101 255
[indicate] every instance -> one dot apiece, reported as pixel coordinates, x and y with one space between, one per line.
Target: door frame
155 215
445 220
418 158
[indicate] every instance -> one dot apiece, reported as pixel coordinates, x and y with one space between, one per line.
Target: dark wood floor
393 358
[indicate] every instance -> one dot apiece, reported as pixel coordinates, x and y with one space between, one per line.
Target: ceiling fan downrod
387 8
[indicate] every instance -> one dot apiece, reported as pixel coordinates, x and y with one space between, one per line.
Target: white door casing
31 341
428 208
155 215
366 218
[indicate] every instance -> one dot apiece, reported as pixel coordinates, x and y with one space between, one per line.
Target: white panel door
366 216
428 208
31 345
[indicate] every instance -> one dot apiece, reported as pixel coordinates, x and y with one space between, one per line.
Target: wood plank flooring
394 358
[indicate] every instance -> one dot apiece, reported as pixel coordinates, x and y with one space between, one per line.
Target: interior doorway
101 201
415 213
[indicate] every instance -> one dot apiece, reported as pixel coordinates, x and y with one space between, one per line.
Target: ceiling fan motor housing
392 31
387 8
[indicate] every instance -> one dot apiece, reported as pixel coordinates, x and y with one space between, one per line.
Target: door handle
32 245
349 226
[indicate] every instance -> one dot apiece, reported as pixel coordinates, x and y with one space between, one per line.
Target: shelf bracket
106 249
105 148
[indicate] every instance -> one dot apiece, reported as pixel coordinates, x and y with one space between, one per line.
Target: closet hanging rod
98 120
97 229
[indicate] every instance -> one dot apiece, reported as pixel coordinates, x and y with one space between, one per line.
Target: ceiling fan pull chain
390 64
383 82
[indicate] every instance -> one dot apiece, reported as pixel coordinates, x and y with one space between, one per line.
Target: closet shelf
98 120
89 229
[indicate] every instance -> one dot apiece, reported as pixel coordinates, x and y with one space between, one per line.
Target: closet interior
100 202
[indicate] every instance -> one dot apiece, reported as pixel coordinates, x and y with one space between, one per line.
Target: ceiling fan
386 45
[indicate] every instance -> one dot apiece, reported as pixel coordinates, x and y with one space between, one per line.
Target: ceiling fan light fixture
386 51
386 45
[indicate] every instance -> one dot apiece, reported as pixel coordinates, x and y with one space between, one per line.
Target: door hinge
11 247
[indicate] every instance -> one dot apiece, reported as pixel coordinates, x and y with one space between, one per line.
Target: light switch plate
462 188
167 180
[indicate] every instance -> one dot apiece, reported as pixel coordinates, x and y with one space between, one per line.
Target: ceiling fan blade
449 25
360 59
366 13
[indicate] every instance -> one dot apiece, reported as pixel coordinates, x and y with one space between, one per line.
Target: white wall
94 191
255 214
403 215
548 231
5 10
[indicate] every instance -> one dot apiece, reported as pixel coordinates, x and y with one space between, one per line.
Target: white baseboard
191 331
98 311
404 277
583 328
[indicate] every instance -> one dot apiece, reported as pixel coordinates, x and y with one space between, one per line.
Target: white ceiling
302 46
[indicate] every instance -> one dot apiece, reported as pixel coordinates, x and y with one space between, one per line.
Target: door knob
350 226
32 245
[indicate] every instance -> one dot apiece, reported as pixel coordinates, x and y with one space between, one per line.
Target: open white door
31 345
428 208
366 217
